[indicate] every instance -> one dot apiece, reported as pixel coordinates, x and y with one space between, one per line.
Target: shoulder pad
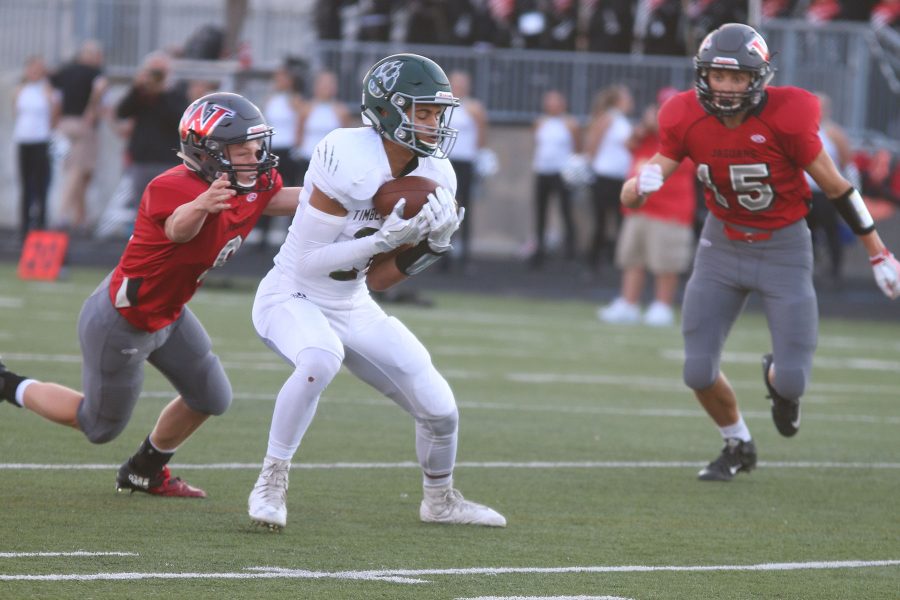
349 165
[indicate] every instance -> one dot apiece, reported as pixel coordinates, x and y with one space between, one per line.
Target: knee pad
699 372
214 395
790 383
317 366
442 426
102 431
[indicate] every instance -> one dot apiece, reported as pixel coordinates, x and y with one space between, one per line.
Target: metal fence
855 66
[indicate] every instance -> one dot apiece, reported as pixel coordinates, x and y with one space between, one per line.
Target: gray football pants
725 273
113 356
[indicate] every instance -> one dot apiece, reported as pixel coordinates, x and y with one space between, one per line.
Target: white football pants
375 347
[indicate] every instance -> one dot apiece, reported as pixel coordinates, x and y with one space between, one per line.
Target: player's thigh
713 299
113 355
384 353
789 299
187 360
290 323
669 246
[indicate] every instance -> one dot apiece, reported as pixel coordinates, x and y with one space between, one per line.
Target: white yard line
64 554
416 575
463 464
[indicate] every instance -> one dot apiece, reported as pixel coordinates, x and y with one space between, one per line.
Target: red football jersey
155 276
754 173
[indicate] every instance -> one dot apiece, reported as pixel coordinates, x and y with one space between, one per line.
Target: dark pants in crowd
34 177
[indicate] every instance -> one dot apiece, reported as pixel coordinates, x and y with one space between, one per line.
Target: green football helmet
391 90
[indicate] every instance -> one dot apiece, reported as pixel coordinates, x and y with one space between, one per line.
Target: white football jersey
348 165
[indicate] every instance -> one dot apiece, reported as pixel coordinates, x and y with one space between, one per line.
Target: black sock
9 381
149 461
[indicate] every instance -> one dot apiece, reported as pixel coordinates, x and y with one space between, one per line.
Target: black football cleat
785 413
736 456
163 484
9 381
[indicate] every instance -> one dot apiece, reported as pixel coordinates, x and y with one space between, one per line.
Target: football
412 187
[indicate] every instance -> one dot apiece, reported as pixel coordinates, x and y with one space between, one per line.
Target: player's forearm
185 223
872 243
629 195
319 253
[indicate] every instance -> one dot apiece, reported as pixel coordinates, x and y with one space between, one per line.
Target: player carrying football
314 307
192 218
751 144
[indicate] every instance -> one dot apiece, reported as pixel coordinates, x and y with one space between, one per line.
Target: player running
314 307
192 218
751 144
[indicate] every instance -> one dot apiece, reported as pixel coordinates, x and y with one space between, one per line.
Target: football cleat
736 456
785 413
7 376
267 504
162 484
447 505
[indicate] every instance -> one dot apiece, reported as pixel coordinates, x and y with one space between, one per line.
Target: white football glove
649 179
443 219
887 273
397 231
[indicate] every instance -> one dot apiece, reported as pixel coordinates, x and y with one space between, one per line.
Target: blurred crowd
623 26
576 165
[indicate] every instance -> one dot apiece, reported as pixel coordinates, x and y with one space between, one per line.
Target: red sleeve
164 194
797 120
674 116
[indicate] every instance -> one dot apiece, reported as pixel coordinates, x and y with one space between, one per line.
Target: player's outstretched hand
443 219
887 273
218 197
397 231
650 179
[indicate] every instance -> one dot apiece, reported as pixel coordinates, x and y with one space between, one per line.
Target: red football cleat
161 485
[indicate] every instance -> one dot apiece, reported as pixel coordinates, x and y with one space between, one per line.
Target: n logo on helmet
203 119
758 46
384 78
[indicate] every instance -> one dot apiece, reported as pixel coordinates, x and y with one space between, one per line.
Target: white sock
738 430
20 391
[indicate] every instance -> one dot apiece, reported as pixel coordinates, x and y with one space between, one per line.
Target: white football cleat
267 504
447 505
620 311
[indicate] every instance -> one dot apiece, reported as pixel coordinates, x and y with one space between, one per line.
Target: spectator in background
154 107
374 20
428 22
821 11
555 139
658 27
471 122
607 145
82 85
823 217
36 107
777 9
880 175
478 23
282 111
886 14
318 117
657 237
610 26
707 15
150 112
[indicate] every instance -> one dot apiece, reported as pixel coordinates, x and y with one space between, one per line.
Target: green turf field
580 433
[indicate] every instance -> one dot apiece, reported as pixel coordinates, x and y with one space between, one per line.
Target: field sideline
581 433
